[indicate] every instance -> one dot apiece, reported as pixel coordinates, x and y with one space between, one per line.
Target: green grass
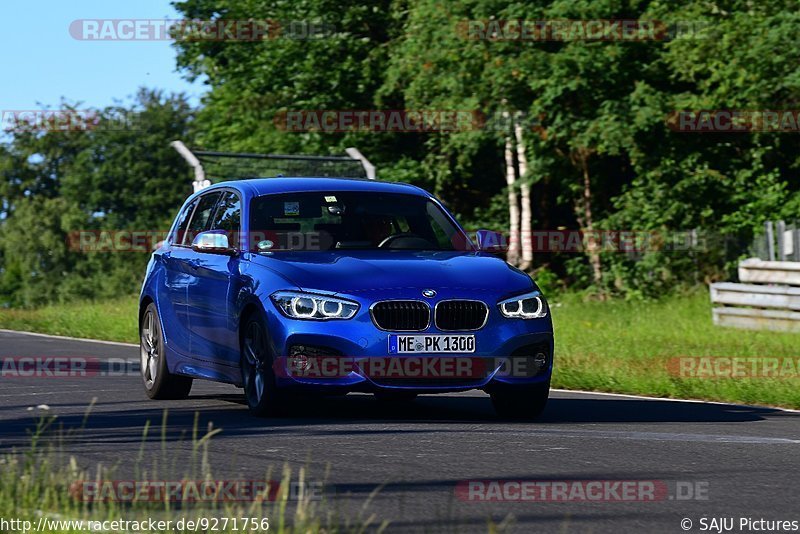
613 346
625 347
112 320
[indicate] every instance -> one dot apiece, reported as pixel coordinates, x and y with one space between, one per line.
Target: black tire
258 376
521 403
159 383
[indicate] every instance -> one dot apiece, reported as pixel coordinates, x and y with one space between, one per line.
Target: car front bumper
344 355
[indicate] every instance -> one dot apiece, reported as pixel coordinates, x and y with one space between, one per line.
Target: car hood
357 271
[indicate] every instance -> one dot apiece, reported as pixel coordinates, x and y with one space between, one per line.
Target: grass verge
632 347
111 320
614 346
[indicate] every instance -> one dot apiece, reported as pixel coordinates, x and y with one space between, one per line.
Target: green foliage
120 175
596 132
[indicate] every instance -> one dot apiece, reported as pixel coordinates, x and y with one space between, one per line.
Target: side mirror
213 242
489 241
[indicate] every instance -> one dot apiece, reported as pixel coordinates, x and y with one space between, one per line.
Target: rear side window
201 219
183 223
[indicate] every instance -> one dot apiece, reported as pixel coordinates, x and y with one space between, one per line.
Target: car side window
183 223
228 214
202 217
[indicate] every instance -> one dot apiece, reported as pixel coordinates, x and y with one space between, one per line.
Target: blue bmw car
293 287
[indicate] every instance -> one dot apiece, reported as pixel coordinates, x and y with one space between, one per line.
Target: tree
121 174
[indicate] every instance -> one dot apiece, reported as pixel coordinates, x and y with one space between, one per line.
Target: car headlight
298 305
527 306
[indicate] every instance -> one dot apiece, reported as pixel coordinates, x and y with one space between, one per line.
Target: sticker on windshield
291 209
330 198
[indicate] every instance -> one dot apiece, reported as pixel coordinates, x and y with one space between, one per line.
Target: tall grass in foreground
41 481
44 481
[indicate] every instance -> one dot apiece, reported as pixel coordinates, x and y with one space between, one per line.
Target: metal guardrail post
768 234
796 242
369 168
200 181
780 230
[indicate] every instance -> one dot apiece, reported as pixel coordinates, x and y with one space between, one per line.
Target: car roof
269 186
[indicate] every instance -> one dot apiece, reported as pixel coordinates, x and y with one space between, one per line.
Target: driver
377 228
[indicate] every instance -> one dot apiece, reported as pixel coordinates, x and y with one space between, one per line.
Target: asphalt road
742 461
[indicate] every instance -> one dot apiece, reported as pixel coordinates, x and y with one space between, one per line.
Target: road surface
733 461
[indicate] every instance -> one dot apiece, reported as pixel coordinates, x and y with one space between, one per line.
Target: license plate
431 344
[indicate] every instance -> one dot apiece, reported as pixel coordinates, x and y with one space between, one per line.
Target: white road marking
695 401
57 393
37 334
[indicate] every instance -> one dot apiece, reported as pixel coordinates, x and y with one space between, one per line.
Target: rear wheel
523 403
159 383
258 376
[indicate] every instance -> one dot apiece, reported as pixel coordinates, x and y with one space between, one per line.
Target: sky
40 60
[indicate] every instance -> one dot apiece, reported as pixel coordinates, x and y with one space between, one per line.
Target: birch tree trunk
526 231
592 244
513 207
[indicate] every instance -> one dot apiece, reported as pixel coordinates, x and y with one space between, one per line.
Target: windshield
350 220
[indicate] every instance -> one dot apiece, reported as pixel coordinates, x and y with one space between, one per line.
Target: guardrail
779 242
765 300
214 166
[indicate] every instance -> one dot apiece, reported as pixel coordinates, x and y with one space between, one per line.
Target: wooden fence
766 299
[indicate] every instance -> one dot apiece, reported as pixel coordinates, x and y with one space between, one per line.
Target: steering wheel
390 240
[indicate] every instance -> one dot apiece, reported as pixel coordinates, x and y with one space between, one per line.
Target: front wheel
523 403
159 383
258 377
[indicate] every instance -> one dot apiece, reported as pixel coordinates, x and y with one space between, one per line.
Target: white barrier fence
765 300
